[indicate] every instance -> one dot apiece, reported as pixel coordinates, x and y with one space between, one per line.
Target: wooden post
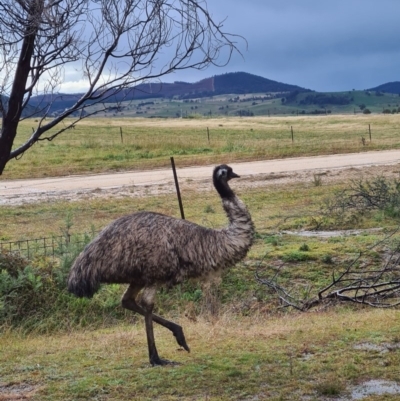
208 135
120 131
291 129
369 129
177 188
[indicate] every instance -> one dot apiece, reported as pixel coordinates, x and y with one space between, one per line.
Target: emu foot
180 338
157 361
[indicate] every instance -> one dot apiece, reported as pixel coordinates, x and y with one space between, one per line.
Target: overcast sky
324 45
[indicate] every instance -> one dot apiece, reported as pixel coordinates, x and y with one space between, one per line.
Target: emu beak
234 175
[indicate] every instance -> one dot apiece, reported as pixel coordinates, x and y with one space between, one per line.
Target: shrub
296 256
33 293
327 258
330 388
274 240
317 180
25 288
348 206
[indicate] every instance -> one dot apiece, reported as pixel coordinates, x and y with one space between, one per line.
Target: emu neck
223 189
237 213
239 234
241 227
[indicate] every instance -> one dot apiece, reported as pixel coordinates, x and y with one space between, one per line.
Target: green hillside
260 104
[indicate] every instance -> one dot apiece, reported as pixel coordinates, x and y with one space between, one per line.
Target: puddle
330 234
381 348
306 356
374 387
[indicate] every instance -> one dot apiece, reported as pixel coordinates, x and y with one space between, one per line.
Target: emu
147 250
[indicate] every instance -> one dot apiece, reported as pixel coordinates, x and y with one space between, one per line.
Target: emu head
224 173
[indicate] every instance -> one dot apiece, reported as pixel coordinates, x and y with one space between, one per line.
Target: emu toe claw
161 362
180 339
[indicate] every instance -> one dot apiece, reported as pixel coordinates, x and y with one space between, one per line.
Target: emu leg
148 305
176 330
129 302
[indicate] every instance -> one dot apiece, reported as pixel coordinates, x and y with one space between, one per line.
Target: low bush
363 197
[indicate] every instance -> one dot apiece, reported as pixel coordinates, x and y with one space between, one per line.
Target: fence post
120 131
369 129
177 188
291 129
208 135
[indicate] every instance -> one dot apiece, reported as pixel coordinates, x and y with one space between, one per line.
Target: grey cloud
323 45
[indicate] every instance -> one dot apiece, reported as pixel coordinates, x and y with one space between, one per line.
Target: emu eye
222 173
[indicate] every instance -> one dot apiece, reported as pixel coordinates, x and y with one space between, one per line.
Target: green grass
95 145
274 358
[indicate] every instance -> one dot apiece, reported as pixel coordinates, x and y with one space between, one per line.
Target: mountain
242 83
230 83
389 87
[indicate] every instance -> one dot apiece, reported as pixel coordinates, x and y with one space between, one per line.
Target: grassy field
244 344
95 145
248 348
323 356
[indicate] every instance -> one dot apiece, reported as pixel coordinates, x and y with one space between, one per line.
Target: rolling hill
389 87
230 83
236 93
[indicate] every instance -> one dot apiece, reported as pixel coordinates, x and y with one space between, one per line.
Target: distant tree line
244 113
144 104
237 99
319 99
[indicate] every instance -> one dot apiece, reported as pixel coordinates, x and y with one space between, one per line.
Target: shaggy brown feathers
148 249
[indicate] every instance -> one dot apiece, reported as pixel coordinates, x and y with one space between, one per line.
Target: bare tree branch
376 287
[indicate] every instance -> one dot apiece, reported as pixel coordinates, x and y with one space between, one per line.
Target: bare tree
115 44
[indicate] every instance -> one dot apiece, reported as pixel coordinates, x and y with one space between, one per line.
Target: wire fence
55 246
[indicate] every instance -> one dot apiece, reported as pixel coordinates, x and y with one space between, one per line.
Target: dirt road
76 187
